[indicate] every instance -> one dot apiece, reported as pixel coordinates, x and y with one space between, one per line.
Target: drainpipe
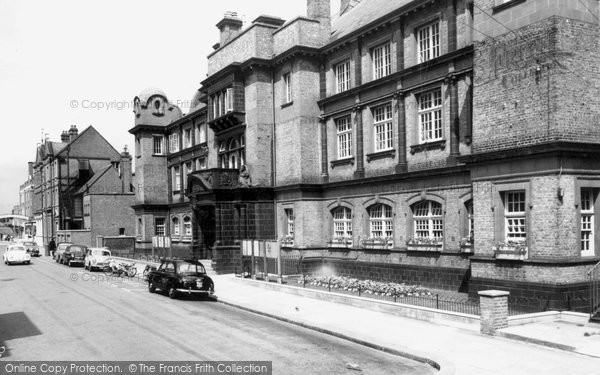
273 151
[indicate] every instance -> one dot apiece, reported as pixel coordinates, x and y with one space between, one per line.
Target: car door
159 275
169 274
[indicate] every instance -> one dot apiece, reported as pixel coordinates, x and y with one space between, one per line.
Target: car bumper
75 261
196 291
18 261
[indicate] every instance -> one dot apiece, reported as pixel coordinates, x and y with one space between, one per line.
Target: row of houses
451 143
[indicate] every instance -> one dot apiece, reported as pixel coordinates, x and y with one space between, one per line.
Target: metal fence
437 301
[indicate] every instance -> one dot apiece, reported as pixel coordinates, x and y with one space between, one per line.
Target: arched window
232 152
176 226
342 223
428 221
381 221
187 226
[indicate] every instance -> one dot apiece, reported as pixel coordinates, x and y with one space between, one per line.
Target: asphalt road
52 312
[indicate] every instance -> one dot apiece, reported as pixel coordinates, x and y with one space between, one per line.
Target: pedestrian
52 247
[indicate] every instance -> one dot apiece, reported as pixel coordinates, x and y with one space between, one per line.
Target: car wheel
151 287
28 262
172 293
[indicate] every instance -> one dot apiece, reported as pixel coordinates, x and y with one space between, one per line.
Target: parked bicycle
120 269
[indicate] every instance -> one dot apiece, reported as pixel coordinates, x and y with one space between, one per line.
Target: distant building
453 144
83 189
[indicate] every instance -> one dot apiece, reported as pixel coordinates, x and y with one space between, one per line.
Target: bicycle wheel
132 271
108 271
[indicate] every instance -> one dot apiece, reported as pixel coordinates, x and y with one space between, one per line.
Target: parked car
32 248
96 258
181 276
16 254
60 248
73 254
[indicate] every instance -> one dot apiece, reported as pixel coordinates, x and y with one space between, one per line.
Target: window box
340 242
511 251
424 244
377 242
466 245
287 241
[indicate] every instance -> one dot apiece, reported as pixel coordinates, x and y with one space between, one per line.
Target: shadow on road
15 325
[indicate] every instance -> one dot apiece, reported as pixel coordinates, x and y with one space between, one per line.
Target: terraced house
449 143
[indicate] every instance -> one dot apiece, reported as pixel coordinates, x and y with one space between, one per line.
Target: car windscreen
105 253
29 244
63 246
17 248
76 249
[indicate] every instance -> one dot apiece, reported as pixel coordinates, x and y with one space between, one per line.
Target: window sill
159 155
284 105
506 5
428 146
381 155
340 162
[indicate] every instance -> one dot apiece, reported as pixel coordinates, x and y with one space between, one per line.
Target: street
53 312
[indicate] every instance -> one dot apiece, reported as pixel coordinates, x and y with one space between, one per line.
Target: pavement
551 347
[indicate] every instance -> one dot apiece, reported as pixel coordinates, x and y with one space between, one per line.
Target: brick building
82 189
449 143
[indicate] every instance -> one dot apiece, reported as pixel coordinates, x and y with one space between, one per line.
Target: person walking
52 247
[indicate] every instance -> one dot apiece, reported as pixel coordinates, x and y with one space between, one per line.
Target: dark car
181 276
32 248
73 254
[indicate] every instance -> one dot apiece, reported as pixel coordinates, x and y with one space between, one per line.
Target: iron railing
594 288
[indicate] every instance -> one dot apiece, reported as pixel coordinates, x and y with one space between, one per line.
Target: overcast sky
81 63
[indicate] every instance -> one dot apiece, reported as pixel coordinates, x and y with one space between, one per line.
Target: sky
74 62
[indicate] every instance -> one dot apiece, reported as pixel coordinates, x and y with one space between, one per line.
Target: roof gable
90 144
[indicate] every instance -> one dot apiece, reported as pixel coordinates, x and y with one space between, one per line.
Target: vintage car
32 248
60 248
180 276
16 254
96 258
73 254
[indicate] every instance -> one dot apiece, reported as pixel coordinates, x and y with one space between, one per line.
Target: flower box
424 244
511 251
377 242
434 247
340 242
287 241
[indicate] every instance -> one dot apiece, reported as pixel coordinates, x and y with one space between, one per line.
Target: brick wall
533 85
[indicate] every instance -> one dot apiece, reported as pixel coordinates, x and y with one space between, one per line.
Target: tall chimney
125 173
229 27
320 10
64 137
73 132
